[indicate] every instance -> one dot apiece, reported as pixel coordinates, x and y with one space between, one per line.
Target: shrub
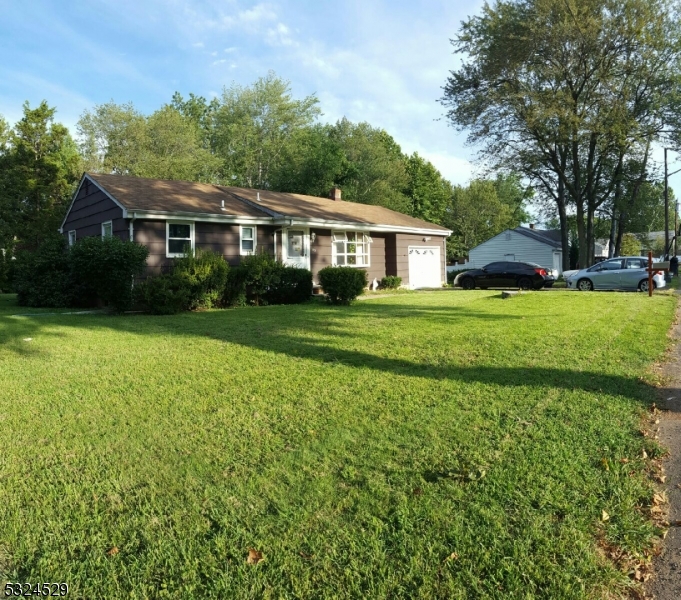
42 277
234 293
260 273
294 286
6 270
390 282
342 284
166 294
205 274
106 267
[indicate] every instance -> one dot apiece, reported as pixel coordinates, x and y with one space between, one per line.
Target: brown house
305 231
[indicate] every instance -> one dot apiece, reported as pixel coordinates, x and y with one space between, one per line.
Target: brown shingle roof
136 193
299 206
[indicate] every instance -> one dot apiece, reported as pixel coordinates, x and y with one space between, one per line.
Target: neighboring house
305 231
522 244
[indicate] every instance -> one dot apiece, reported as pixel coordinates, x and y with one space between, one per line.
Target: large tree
566 91
39 166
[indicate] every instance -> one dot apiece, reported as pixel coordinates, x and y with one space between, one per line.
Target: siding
397 253
523 249
223 238
321 254
90 209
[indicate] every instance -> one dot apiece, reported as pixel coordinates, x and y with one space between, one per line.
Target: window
636 263
608 265
179 239
248 235
72 237
351 248
107 229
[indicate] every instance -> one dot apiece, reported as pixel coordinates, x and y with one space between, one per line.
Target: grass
430 445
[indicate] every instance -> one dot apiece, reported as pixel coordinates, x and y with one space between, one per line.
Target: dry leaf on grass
605 516
113 551
254 556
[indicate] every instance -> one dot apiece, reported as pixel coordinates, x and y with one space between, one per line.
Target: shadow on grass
307 332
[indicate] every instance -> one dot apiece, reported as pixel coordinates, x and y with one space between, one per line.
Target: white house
522 244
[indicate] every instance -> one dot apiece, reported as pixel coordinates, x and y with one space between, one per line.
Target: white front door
297 247
425 268
558 262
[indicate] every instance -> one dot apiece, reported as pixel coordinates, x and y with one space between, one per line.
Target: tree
475 214
253 126
428 192
564 91
631 245
39 167
165 145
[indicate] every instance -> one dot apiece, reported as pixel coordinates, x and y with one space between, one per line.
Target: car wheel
467 283
643 285
525 283
585 285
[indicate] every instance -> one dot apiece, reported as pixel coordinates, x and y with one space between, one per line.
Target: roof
546 236
186 197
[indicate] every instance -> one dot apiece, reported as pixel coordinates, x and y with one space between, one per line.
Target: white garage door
424 267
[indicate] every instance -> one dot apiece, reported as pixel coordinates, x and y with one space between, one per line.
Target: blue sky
376 61
381 62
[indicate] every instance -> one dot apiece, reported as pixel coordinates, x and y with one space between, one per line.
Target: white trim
334 253
191 236
72 231
305 264
254 239
110 223
288 221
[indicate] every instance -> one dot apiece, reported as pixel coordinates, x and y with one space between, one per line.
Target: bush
205 274
106 268
234 293
294 286
390 282
260 272
342 284
261 279
42 278
6 270
166 294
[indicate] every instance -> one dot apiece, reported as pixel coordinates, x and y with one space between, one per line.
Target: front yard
430 445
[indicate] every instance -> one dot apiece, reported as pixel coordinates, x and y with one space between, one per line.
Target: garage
425 269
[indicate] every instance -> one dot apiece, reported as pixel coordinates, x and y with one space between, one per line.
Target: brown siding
223 238
398 263
322 255
91 208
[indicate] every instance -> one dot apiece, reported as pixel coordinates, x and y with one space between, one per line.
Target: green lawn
429 445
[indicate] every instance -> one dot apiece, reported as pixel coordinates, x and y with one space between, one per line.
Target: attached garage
425 267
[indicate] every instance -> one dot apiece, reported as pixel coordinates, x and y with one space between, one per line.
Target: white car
622 273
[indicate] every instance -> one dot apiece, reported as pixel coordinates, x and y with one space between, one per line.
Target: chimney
335 193
531 225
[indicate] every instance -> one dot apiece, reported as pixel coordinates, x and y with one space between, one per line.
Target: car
621 273
523 275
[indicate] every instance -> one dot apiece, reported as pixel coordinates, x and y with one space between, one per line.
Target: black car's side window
495 267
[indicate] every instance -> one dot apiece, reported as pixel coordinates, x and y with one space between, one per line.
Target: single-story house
305 231
522 244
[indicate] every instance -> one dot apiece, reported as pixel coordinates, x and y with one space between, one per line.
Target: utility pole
666 207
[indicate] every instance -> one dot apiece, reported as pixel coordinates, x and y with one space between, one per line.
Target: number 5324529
28 590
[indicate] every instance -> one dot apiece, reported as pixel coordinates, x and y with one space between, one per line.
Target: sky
383 62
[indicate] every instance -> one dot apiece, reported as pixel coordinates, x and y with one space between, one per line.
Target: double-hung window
351 248
248 236
72 237
179 239
107 229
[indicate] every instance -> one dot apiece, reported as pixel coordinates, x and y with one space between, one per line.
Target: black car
526 276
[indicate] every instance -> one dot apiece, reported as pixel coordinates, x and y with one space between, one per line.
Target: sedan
622 273
526 276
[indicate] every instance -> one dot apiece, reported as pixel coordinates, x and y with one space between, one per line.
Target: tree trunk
582 259
613 233
620 233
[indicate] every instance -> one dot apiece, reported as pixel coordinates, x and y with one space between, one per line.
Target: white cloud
198 45
219 62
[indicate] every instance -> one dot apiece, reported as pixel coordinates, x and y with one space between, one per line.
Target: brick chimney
335 193
531 225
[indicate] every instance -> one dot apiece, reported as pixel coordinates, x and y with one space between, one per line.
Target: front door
297 247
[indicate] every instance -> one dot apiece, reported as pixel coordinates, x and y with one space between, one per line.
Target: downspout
131 228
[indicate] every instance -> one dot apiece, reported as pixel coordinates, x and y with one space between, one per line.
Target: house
522 244
305 231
